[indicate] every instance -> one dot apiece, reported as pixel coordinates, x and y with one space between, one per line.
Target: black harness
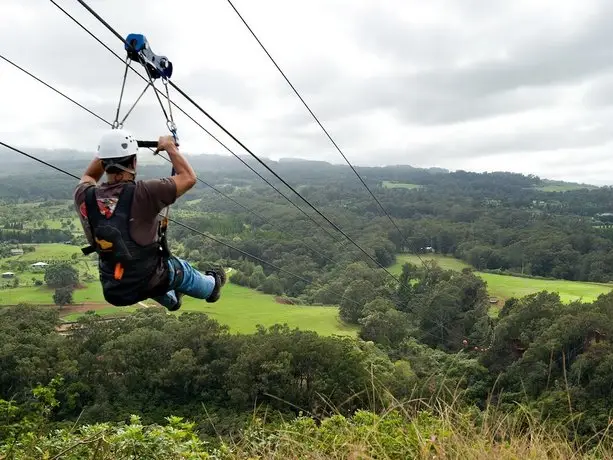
126 267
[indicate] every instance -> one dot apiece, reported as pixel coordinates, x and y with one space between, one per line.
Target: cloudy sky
481 85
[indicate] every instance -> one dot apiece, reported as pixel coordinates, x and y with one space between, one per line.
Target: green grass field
240 308
390 184
503 286
55 224
49 251
45 252
564 187
92 292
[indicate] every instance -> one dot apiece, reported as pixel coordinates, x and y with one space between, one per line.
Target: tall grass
436 426
419 430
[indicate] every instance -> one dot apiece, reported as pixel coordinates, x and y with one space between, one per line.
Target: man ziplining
121 221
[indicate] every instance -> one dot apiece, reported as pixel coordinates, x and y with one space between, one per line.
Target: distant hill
297 171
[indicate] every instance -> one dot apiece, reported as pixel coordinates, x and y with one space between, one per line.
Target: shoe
220 281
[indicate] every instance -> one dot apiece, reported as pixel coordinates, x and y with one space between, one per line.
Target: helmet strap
123 168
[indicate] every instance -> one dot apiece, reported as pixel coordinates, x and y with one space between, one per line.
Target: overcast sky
481 85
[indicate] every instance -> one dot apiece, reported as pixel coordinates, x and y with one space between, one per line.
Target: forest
426 335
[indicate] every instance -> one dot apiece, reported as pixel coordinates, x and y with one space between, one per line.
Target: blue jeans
193 284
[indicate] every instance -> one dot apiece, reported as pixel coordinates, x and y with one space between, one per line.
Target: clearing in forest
391 184
505 286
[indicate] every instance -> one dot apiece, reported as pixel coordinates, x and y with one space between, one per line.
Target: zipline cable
264 219
32 157
256 214
181 224
331 235
220 126
321 125
57 91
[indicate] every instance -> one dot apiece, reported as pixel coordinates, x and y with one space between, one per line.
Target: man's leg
192 282
184 279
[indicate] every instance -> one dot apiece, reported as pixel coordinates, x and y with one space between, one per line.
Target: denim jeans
193 284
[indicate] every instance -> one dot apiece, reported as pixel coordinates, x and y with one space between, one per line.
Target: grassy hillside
391 184
555 186
503 286
437 432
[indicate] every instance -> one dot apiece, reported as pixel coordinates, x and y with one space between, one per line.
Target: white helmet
117 143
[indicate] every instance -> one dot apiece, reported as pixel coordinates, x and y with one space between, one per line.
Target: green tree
61 275
63 296
357 294
383 324
272 285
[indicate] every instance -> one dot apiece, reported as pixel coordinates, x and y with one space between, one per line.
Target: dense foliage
549 357
417 431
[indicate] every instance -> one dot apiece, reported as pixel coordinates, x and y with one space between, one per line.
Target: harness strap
94 218
88 198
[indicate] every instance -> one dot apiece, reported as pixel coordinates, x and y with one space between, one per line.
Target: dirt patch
82 308
284 300
77 308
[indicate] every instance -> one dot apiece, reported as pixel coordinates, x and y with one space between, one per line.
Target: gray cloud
442 91
443 84
222 86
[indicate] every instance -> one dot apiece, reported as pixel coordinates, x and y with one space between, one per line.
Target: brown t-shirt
150 197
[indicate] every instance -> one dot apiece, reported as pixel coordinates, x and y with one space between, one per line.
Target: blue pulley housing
139 50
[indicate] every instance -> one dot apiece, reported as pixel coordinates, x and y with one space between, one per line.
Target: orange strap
118 271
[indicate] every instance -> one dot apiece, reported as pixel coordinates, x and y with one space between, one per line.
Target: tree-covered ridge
494 221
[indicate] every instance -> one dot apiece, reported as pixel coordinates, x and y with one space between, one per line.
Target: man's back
150 197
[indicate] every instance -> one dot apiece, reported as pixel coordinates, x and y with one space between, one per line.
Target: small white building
17 252
8 275
38 266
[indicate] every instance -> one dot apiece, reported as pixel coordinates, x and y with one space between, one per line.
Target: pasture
391 184
505 286
241 308
48 253
51 251
564 187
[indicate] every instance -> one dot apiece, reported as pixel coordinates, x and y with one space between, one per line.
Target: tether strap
116 123
169 120
134 105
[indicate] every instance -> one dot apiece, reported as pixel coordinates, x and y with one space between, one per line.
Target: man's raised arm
93 173
185 177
